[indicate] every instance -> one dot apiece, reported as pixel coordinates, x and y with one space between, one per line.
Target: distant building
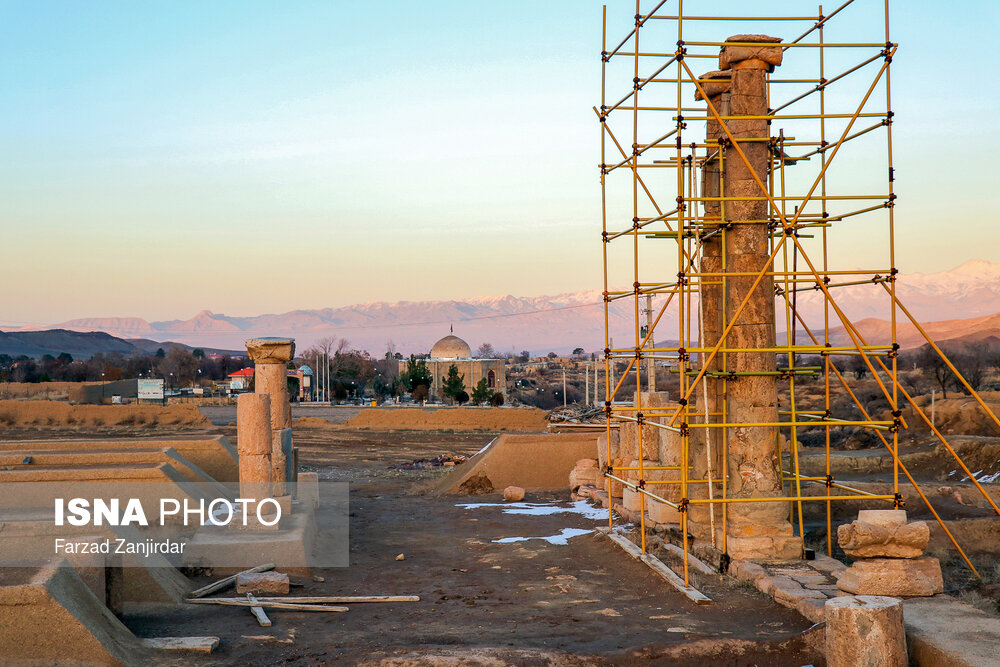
240 380
304 375
452 350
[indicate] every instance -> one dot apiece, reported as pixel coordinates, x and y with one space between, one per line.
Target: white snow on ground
562 538
488 445
581 507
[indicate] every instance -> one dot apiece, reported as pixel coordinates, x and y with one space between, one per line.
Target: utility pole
586 375
564 387
650 361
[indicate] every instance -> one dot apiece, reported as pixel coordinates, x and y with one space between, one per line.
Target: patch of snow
581 507
561 539
488 445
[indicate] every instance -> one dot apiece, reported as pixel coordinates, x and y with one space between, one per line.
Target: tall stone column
754 529
270 357
253 442
709 397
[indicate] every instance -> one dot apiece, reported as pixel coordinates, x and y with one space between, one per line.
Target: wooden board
240 602
633 550
324 599
693 560
200 644
258 612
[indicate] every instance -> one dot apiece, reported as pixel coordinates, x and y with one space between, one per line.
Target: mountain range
560 322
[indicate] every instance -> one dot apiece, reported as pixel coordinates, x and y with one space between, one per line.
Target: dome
451 347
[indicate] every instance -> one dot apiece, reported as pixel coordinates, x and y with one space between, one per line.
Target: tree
932 364
180 364
160 353
552 355
486 351
858 366
417 374
419 393
481 393
453 384
578 352
524 357
198 353
496 400
380 387
461 397
972 362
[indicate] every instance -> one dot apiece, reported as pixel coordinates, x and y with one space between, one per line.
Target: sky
250 157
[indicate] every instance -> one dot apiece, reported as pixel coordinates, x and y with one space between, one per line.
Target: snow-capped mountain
558 322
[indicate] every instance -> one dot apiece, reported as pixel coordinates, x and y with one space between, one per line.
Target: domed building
451 347
452 350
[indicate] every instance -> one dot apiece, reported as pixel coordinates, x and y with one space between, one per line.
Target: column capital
271 350
751 52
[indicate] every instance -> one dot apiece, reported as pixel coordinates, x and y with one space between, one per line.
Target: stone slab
900 577
264 583
943 631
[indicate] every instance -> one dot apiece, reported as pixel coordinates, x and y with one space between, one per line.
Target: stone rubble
889 551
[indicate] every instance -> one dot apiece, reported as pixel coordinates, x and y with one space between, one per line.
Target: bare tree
486 351
933 365
972 362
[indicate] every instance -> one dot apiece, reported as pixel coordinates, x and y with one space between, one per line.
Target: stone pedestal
889 550
904 577
865 630
271 357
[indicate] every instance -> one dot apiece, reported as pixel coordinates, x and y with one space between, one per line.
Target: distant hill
972 330
82 344
558 322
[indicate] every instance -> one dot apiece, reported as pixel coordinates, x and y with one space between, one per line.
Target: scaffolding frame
790 265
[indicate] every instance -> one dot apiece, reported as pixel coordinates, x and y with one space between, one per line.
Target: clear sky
251 157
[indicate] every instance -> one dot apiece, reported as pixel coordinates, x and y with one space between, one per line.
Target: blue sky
249 157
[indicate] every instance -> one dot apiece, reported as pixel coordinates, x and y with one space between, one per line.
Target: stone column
271 357
253 442
716 87
755 529
865 630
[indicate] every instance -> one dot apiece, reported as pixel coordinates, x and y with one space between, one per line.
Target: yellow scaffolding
676 141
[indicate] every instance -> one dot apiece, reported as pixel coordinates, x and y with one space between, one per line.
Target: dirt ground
482 602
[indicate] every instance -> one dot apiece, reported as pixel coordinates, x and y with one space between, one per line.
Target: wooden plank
633 550
677 582
327 599
258 612
228 581
199 644
698 564
240 602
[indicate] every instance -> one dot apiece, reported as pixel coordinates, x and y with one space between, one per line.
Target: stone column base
910 577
